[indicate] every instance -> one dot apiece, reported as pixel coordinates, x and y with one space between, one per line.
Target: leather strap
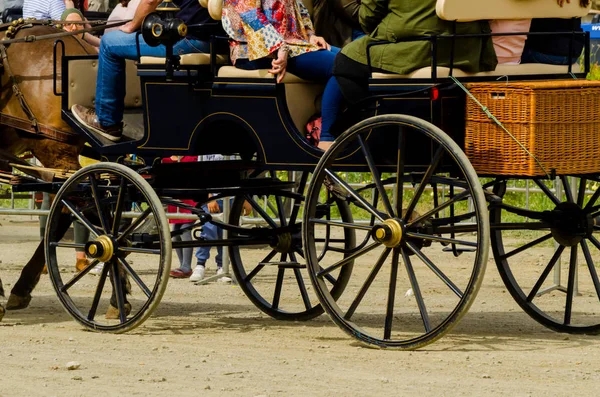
44 130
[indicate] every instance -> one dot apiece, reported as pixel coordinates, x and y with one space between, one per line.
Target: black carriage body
195 113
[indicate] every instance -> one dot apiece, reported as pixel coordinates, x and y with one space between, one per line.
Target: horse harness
11 30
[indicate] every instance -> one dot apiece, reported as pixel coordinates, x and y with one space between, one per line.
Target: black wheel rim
275 277
547 255
402 294
99 197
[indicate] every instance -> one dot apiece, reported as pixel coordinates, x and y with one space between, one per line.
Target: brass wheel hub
102 248
283 244
388 233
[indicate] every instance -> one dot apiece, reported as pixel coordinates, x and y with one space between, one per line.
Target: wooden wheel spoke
593 199
590 264
526 246
367 284
98 293
441 239
78 276
153 251
547 191
571 285
376 177
92 229
278 285
101 215
445 204
347 260
417 291
119 206
361 200
389 315
426 178
442 276
399 193
66 245
545 273
581 193
302 287
567 189
138 221
262 212
340 224
118 287
135 277
260 266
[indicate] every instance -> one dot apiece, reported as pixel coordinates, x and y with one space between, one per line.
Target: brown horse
51 141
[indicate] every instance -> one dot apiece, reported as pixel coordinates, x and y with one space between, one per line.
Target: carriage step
284 265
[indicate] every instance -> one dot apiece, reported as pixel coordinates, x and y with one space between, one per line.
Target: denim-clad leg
210 231
318 66
115 47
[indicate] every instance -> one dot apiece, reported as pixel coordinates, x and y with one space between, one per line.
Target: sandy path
211 340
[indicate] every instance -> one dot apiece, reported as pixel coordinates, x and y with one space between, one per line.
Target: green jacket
391 20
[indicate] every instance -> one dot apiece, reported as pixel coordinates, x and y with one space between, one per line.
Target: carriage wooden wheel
278 283
564 290
135 254
408 286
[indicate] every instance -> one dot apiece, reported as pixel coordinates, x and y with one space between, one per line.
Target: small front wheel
129 246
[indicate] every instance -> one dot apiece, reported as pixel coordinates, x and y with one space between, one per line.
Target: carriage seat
300 95
195 59
524 69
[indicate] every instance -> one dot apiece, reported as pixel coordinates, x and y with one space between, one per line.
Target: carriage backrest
473 10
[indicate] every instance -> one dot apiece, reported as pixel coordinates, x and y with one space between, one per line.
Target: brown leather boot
87 116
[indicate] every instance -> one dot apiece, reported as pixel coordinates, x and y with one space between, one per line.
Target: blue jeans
312 66
530 56
115 48
210 231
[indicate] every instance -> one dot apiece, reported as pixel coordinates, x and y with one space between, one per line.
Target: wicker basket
557 121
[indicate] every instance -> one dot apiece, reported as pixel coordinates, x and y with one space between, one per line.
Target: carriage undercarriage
388 231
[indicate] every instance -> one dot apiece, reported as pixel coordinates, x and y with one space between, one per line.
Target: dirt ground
211 340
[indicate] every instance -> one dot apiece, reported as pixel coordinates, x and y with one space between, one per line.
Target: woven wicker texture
557 121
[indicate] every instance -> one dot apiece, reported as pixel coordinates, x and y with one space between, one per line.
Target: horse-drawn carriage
391 225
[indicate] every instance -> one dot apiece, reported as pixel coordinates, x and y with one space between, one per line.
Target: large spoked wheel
420 216
274 276
134 253
547 254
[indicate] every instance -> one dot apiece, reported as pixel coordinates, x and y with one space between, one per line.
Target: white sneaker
198 273
219 271
97 270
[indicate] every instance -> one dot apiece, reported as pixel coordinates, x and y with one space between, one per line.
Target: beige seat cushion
232 71
501 70
474 10
82 83
187 60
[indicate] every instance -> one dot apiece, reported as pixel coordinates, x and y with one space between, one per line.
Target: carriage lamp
163 27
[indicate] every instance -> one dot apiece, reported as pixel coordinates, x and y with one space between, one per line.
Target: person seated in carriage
391 20
278 35
106 119
556 50
46 9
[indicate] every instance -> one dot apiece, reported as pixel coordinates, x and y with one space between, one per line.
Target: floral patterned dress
259 27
